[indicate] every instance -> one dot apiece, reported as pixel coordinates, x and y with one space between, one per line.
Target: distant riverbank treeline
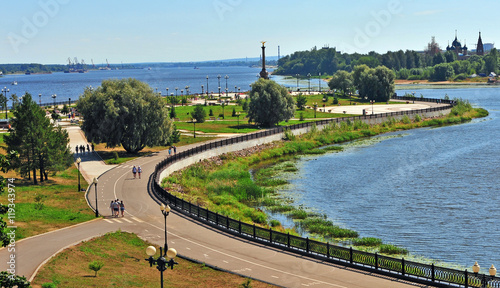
409 64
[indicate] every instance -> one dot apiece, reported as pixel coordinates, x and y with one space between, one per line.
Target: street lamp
167 91
207 85
297 76
226 77
194 127
315 107
78 161
309 76
202 90
96 209
176 88
161 263
54 97
218 77
235 95
40 100
5 91
372 101
165 210
319 82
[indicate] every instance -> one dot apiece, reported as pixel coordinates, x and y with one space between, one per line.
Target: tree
41 145
442 72
376 84
301 101
199 113
95 266
175 137
125 112
342 81
8 280
270 103
491 62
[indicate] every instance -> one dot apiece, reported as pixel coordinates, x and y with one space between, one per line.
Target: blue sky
50 31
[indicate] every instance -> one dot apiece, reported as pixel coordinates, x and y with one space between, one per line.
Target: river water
434 191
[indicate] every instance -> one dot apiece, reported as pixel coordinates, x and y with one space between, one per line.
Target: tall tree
270 103
42 147
342 81
376 84
125 112
199 113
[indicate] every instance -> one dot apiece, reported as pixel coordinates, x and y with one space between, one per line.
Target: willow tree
125 112
270 103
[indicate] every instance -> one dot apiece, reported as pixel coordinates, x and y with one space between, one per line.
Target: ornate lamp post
202 90
218 77
161 263
95 186
40 100
372 101
5 91
78 161
176 88
207 85
165 210
235 95
167 91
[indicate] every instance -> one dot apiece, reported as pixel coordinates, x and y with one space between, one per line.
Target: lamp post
96 209
194 127
167 91
207 85
202 91
235 95
226 77
5 91
297 76
40 100
54 97
165 210
372 101
176 88
309 78
78 161
218 77
315 107
187 90
161 263
319 82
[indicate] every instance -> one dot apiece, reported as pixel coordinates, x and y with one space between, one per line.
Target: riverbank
224 185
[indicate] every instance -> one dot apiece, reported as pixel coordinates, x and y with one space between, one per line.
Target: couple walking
136 170
117 206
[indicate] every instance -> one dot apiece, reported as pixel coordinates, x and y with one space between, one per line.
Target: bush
115 155
417 118
335 100
211 113
367 241
301 116
391 249
275 223
49 285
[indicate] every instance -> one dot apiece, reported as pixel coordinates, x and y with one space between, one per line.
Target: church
457 47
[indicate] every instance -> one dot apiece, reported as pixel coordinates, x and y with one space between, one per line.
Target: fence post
376 261
307 244
217 218
239 226
466 279
350 254
227 222
433 271
327 249
288 240
270 235
253 230
403 266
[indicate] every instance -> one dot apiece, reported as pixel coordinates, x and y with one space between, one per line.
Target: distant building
480 47
488 47
457 47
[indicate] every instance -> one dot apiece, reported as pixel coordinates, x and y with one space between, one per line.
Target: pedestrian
169 150
134 171
139 170
88 148
111 207
122 207
175 150
76 148
82 148
92 146
116 208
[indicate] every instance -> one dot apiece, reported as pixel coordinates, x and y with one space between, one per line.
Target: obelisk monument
264 74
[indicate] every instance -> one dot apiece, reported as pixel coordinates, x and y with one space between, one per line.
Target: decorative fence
374 263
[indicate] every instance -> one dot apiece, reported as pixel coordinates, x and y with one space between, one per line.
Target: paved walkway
190 238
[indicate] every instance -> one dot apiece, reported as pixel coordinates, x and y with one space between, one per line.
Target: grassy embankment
226 186
123 257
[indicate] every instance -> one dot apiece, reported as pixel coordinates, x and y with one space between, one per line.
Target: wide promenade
189 238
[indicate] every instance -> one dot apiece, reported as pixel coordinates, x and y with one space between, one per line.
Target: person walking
175 150
134 170
169 150
139 171
122 207
116 208
93 147
76 148
111 207
88 148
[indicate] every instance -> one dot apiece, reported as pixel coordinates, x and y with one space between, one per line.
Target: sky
50 31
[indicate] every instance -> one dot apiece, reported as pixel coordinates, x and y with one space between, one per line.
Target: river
434 191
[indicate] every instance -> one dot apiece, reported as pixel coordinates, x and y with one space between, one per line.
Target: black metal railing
375 263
